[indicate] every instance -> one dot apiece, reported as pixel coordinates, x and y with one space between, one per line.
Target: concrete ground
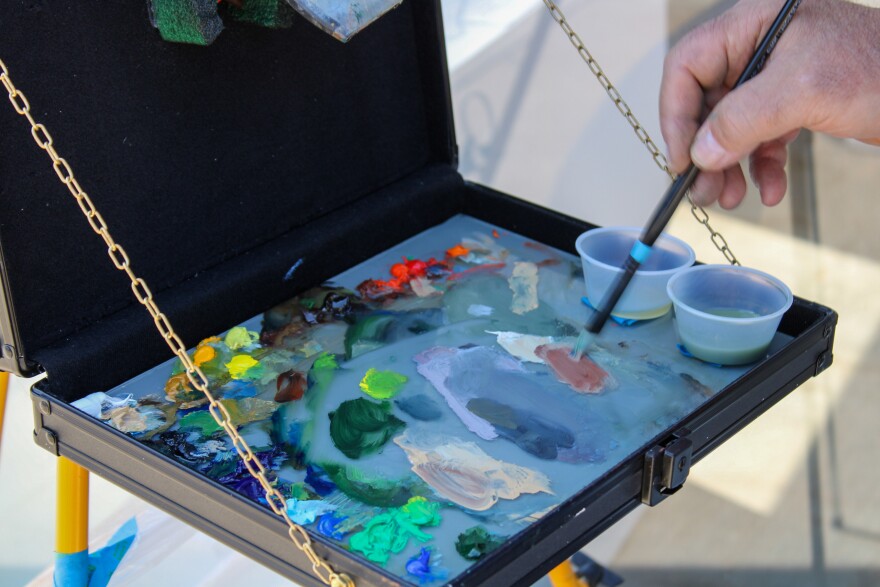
792 499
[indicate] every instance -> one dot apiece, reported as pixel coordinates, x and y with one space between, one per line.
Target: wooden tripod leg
564 576
72 525
4 387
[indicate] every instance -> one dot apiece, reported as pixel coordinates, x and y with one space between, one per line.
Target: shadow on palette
423 406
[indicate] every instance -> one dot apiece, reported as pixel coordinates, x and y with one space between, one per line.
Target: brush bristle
585 339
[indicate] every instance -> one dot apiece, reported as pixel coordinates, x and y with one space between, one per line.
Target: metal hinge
666 468
44 437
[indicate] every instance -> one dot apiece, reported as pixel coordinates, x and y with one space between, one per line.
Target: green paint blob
240 337
359 427
389 532
325 361
476 542
382 384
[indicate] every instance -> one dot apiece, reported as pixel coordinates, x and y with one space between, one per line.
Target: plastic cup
727 314
604 250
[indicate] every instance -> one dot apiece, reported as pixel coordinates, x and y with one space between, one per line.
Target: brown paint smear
582 375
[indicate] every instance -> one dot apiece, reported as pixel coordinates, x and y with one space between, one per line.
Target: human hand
824 75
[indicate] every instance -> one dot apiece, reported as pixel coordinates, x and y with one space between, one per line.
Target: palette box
218 168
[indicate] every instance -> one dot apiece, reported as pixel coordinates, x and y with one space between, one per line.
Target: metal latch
666 468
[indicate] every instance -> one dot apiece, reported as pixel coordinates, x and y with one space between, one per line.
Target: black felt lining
197 157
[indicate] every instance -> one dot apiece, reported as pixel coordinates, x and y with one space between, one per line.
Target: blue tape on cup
640 252
621 321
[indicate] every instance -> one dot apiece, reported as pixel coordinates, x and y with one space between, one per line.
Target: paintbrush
667 206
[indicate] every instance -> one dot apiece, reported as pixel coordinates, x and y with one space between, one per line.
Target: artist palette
433 375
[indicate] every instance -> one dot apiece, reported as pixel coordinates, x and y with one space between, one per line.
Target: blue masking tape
687 353
640 252
71 570
105 561
621 321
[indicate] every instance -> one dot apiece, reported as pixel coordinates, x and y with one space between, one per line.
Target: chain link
196 377
659 158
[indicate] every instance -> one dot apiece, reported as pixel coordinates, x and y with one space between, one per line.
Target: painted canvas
423 407
343 18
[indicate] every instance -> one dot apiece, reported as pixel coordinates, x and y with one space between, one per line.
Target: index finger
708 58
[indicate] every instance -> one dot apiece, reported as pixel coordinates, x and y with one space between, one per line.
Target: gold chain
659 158
196 377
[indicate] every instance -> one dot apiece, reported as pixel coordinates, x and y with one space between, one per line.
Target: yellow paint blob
239 366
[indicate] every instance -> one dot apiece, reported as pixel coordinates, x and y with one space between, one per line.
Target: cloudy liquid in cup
733 313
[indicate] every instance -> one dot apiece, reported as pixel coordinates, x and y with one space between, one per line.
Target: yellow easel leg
4 387
72 525
564 576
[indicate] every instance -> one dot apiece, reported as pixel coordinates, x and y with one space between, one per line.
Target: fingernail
706 153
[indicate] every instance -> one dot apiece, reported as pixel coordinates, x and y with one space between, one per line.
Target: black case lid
195 155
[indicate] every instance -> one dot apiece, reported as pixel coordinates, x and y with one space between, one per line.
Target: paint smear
524 285
464 474
241 412
421 407
96 404
311 348
582 375
488 268
532 433
359 427
480 310
307 511
494 395
436 365
422 287
696 385
522 346
179 391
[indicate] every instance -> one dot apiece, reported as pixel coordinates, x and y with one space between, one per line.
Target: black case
217 168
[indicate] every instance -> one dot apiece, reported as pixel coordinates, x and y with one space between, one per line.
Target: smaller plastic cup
604 250
727 314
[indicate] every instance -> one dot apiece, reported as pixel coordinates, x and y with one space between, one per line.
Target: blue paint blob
328 525
420 567
420 407
319 481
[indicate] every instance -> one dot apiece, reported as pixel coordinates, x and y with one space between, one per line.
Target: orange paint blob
457 251
204 354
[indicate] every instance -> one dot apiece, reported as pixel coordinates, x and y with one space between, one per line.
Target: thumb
754 113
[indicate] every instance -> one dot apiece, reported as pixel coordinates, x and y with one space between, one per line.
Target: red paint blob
291 386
